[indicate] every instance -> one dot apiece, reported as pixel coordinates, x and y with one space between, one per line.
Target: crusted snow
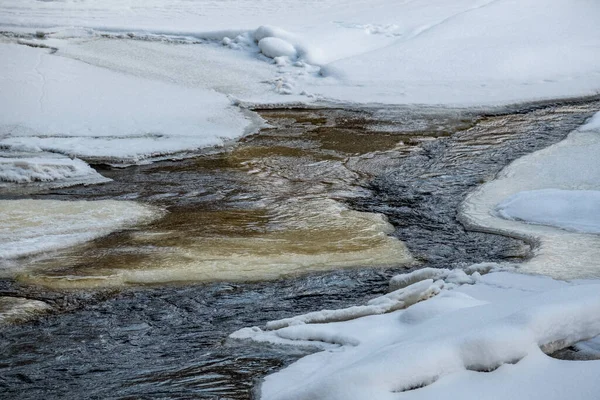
35 167
434 51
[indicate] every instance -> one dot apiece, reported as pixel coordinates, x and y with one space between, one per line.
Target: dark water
169 341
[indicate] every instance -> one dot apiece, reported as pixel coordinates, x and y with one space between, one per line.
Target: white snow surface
482 339
575 210
36 226
422 51
532 188
33 167
69 107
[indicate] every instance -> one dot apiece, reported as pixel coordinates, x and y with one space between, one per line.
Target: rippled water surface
316 185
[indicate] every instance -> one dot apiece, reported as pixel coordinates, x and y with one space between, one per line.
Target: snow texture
557 187
485 339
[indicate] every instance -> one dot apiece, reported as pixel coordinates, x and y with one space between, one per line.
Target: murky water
169 341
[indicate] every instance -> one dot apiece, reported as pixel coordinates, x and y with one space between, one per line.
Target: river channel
317 210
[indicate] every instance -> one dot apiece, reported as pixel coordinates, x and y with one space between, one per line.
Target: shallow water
169 341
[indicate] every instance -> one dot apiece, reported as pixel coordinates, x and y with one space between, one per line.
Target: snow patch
274 47
491 326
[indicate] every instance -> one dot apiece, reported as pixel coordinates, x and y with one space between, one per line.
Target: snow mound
274 47
484 339
35 226
575 210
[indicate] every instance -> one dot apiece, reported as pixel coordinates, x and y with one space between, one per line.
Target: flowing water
249 235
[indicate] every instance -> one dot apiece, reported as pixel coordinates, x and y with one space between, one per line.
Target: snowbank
557 186
35 226
69 107
483 339
435 52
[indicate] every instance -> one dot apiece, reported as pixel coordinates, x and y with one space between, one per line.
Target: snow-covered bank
467 52
539 183
35 226
55 104
477 337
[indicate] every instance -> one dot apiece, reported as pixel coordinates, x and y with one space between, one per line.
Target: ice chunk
15 309
31 168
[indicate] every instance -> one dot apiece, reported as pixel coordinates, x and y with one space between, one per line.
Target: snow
274 47
134 81
464 52
71 108
54 170
531 189
36 226
483 339
575 210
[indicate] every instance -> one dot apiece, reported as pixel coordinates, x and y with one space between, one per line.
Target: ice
69 107
18 309
574 210
53 170
476 340
568 171
35 226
